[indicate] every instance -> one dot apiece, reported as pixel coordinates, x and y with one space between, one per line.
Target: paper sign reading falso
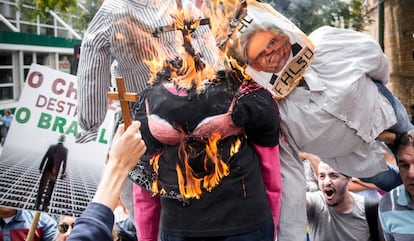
41 166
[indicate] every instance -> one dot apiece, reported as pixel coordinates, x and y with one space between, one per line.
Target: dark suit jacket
55 156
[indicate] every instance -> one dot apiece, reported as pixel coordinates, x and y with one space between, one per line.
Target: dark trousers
44 192
387 180
266 233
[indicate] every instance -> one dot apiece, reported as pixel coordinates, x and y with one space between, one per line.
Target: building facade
393 25
23 41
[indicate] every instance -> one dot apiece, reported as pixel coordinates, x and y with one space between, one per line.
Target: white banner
46 115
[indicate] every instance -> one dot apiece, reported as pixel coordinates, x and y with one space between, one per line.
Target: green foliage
68 10
62 6
308 15
84 15
41 7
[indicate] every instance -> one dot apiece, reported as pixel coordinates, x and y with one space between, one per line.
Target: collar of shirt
403 197
18 217
314 83
7 220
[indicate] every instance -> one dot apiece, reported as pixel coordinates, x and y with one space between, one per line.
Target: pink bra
165 133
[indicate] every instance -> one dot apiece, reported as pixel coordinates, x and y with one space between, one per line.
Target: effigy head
274 51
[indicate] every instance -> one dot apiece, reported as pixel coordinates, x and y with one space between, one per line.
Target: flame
189 75
154 164
224 16
221 168
235 147
190 186
155 65
219 12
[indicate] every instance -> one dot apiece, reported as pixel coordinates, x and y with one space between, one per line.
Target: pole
381 23
32 230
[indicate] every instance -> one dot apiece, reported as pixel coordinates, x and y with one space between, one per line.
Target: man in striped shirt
396 208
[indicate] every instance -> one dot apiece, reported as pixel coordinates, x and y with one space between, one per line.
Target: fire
191 185
221 168
235 147
189 71
225 16
154 163
188 184
189 74
219 12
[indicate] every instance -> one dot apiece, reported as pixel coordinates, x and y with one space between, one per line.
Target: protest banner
47 115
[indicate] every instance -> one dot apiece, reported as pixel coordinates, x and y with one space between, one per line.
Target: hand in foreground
127 148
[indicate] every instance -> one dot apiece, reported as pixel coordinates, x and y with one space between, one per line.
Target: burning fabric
200 150
209 135
122 37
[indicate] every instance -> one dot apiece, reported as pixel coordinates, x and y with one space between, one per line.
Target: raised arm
126 150
314 160
97 221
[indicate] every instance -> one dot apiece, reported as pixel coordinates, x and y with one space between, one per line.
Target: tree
83 10
311 14
40 8
86 13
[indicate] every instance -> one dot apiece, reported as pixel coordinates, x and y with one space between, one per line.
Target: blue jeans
403 119
266 233
386 180
391 178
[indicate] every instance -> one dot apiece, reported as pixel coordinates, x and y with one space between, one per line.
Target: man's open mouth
329 192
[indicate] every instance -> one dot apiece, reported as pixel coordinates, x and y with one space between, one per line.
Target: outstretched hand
126 150
127 146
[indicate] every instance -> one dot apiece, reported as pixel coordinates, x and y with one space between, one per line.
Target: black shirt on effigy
238 203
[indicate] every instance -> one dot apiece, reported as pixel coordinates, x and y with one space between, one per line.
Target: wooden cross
186 27
123 97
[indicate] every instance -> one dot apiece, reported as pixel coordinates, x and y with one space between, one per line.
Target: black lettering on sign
245 22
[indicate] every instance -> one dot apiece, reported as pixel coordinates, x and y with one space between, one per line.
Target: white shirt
342 112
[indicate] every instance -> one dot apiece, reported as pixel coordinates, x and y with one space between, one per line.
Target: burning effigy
209 135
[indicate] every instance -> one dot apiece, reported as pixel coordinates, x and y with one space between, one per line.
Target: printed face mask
276 52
